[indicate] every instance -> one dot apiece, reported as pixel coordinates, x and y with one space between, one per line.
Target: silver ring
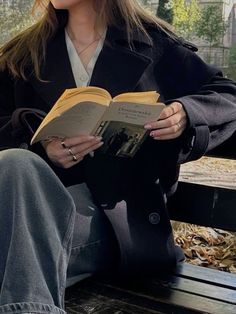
70 151
74 158
63 144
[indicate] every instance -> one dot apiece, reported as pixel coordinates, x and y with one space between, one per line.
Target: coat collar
118 68
119 36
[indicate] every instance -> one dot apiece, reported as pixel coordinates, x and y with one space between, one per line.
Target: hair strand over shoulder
28 49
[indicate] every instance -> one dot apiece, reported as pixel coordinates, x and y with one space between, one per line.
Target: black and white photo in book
121 139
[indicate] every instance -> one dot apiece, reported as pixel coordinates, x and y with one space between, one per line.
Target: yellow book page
150 97
74 96
85 93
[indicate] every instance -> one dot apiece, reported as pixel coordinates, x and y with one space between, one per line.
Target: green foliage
165 10
14 17
231 69
211 26
185 16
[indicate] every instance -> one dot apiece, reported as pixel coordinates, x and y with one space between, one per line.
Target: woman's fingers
171 124
69 151
171 110
77 157
78 140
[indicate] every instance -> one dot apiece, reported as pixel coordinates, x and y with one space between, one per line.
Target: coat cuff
195 139
199 142
194 144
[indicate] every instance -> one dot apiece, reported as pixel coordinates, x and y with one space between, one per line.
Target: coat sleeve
17 123
208 98
6 110
13 138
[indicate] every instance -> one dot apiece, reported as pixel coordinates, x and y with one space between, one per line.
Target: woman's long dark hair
29 47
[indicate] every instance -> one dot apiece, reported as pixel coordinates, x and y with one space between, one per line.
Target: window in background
211 25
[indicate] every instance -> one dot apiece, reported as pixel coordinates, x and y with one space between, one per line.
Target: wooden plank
216 277
153 297
209 171
186 297
202 289
114 299
206 194
91 297
204 205
89 303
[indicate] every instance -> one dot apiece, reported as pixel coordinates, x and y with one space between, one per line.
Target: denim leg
94 246
36 223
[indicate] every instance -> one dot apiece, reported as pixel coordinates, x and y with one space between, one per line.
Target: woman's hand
171 123
70 151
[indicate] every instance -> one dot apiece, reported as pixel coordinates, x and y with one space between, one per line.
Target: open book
91 110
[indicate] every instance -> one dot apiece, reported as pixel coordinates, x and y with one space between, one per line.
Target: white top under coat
81 74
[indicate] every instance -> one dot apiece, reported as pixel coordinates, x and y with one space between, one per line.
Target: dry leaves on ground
204 246
207 246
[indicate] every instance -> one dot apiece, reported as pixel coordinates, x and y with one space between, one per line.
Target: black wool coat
166 65
142 227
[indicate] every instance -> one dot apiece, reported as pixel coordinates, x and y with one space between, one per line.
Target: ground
207 246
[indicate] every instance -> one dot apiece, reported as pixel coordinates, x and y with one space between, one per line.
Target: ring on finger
70 151
74 158
179 125
63 144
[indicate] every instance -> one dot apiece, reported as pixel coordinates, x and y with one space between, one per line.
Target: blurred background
209 24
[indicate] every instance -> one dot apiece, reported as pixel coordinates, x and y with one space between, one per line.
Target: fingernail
100 144
147 126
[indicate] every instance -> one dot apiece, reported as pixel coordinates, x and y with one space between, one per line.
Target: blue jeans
46 241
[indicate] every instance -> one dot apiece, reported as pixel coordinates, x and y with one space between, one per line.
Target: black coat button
154 218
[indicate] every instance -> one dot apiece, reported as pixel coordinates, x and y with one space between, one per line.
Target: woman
120 221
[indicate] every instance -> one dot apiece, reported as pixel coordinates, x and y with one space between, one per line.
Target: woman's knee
18 160
17 155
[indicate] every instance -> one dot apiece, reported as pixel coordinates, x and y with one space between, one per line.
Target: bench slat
202 289
204 205
207 275
81 301
191 296
151 297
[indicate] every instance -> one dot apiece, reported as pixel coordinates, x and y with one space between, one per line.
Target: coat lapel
118 68
56 72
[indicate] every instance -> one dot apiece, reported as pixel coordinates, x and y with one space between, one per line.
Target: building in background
219 54
232 25
216 54
151 4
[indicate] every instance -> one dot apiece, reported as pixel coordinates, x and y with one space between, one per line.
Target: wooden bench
212 205
191 289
